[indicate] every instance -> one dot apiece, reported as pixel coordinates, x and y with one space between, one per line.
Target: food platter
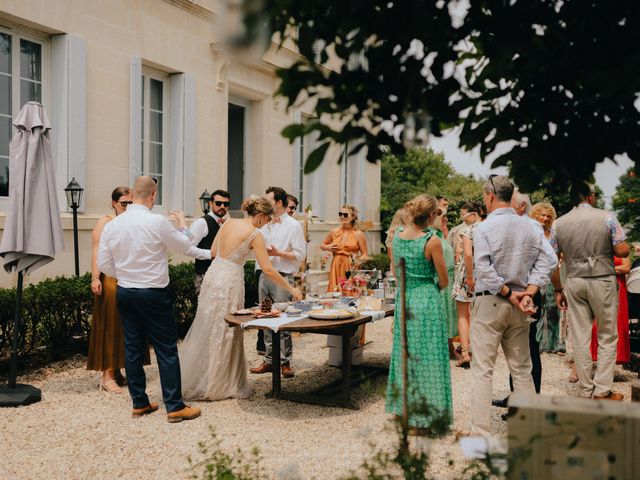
245 311
272 314
332 314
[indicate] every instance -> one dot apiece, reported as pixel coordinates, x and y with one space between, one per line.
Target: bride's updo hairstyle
255 205
420 209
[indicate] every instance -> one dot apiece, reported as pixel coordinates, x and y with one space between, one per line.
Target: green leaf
293 131
315 158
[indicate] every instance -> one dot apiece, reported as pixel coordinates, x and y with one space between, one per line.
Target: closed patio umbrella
33 228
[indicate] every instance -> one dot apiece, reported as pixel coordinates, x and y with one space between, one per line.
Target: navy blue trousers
148 313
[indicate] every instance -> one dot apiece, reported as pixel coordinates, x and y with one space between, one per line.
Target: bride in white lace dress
212 361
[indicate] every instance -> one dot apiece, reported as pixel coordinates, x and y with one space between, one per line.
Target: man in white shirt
285 243
133 248
205 229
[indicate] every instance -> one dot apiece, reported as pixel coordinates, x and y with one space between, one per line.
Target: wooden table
344 328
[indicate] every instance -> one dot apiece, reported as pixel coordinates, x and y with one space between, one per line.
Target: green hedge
376 262
51 310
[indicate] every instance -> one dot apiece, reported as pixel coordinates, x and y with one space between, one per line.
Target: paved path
77 432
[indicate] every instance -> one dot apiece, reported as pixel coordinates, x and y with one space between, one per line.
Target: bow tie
221 221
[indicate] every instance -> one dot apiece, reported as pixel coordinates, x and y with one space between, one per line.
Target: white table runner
273 323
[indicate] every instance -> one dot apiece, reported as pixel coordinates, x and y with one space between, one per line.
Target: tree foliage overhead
558 78
626 202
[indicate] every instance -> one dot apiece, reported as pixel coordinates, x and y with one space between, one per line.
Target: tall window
21 81
305 186
154 118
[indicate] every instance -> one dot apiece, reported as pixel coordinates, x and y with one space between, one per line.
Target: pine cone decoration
267 305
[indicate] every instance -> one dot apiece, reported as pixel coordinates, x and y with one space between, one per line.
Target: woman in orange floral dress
348 245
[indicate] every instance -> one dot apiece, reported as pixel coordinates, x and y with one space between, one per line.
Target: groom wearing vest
205 228
588 238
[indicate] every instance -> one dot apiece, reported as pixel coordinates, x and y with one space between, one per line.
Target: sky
606 175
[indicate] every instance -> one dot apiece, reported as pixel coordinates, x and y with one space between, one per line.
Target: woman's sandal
110 386
420 432
465 361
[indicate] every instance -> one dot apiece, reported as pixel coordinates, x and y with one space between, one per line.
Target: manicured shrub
56 313
376 262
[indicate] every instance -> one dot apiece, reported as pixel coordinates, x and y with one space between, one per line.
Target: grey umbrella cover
33 229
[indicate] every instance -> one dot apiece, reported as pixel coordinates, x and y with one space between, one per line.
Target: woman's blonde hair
543 206
400 219
353 211
420 208
255 205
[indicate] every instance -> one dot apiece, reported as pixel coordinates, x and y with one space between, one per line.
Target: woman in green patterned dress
427 329
450 309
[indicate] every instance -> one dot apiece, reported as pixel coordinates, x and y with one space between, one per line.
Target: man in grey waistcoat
588 238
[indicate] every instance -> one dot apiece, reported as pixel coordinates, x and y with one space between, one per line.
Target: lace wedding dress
212 361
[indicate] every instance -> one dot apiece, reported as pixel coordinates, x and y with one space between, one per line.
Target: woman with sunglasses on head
348 245
464 285
106 341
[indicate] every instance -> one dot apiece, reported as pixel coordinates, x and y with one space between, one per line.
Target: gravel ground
78 432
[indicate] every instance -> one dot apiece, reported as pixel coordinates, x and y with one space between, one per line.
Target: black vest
212 226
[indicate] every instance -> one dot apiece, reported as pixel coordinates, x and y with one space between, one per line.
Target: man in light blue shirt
511 264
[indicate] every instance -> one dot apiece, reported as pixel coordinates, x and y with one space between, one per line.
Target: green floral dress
450 308
427 332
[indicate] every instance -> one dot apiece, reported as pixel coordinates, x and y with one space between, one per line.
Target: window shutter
135 143
189 193
182 143
68 110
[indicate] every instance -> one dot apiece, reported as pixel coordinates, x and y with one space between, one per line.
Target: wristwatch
558 290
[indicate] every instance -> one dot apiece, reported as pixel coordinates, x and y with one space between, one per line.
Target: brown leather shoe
263 368
187 413
138 412
610 396
287 371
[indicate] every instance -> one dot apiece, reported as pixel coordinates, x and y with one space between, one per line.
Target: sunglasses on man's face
343 215
218 203
291 207
125 203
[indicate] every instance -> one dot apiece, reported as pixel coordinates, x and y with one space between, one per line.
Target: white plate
331 314
244 311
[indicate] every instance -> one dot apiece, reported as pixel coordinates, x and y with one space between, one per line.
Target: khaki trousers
588 299
495 322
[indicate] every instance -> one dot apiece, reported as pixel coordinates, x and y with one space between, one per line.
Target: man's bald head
521 202
143 189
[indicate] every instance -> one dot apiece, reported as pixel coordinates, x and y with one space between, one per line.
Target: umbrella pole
17 325
12 394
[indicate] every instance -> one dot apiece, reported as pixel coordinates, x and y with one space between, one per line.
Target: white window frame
149 73
298 176
17 33
344 176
